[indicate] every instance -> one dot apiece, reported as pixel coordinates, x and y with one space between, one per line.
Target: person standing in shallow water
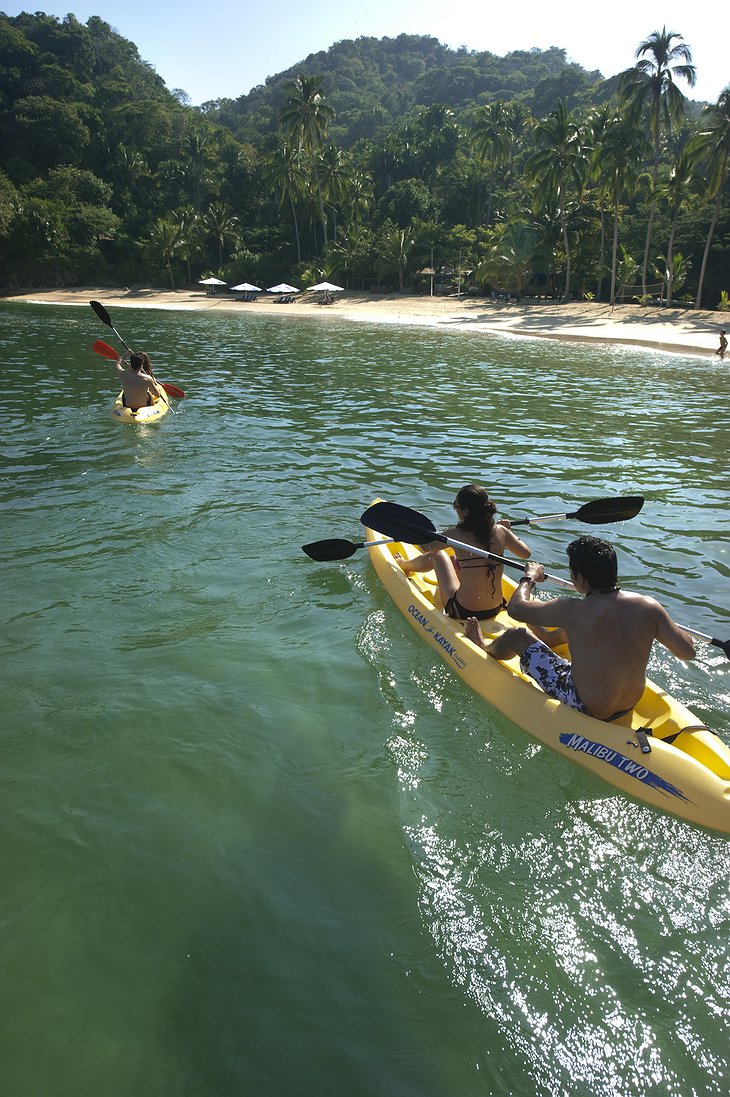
723 345
610 633
469 585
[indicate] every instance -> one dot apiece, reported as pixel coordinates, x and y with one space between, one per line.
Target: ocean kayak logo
438 637
620 761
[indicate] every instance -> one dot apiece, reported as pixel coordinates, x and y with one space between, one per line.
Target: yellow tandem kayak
660 753
148 414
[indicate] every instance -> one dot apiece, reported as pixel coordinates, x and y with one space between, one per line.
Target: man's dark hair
595 560
136 361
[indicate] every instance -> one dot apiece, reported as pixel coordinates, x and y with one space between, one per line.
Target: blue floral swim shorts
553 674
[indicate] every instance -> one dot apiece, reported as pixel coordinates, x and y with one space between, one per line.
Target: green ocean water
256 838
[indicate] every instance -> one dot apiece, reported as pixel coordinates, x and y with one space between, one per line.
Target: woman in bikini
470 585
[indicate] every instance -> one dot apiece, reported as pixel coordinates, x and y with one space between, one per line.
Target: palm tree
398 254
165 243
674 193
223 227
305 116
713 142
352 252
617 159
335 173
559 167
510 258
492 135
189 222
194 166
673 271
284 173
650 85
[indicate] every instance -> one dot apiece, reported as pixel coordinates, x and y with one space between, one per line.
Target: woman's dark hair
595 560
480 511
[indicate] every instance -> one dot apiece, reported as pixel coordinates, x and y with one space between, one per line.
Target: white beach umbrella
210 282
327 287
283 288
246 287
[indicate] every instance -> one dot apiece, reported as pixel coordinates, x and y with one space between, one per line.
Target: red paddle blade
105 350
172 390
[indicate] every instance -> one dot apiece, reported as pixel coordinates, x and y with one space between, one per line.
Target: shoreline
674 330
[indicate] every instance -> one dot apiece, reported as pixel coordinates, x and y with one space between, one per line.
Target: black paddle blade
336 548
723 645
101 313
401 523
609 510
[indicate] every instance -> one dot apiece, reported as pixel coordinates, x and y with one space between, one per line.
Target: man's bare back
137 386
610 633
610 638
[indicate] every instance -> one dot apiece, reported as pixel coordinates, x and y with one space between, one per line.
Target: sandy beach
675 330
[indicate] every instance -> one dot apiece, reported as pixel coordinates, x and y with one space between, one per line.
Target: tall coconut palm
675 192
650 86
616 163
305 116
335 173
559 167
284 173
713 143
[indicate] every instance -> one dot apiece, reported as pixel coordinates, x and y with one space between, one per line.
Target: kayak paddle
106 319
337 548
595 512
406 525
108 352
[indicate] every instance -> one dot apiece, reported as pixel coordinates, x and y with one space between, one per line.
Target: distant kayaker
610 633
469 585
723 345
139 388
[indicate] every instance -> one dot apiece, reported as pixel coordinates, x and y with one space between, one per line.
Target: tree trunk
566 288
670 259
602 261
614 253
706 254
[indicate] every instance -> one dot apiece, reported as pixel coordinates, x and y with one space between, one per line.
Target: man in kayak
139 388
610 633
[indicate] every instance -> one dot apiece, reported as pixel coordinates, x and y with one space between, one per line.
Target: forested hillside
374 83
366 164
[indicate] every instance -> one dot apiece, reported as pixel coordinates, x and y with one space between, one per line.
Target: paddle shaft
432 535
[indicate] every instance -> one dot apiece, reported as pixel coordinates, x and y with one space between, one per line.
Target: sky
221 49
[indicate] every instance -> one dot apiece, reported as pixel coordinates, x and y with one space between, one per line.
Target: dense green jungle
379 163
